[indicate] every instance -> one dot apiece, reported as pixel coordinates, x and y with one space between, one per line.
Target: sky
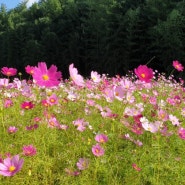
13 3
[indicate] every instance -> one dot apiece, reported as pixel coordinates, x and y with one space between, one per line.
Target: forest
108 36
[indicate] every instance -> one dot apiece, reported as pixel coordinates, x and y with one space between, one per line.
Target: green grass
161 158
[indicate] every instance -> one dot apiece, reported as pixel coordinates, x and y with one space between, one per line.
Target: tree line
108 36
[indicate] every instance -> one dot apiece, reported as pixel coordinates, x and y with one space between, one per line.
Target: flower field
96 131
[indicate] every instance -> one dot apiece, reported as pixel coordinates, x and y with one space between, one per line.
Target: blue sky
13 3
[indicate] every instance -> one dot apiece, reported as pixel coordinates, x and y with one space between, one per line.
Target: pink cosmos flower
136 167
109 94
29 150
29 69
11 165
45 103
27 105
12 129
174 120
8 103
46 77
95 77
118 92
97 150
4 82
82 163
52 122
81 124
77 79
181 133
144 73
9 71
162 115
177 65
101 138
52 100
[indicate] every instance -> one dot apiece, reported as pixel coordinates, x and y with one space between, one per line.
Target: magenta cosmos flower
46 77
97 150
177 65
11 165
9 71
181 133
78 79
27 105
144 73
29 150
29 69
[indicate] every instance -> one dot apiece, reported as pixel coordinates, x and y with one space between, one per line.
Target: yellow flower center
12 168
8 73
143 75
52 100
45 77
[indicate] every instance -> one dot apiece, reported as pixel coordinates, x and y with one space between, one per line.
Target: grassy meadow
109 131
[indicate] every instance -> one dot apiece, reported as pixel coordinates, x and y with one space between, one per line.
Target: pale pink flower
8 103
101 138
77 78
82 163
12 129
95 77
153 100
46 77
162 115
81 124
174 120
118 92
52 100
97 150
52 122
11 165
4 82
109 94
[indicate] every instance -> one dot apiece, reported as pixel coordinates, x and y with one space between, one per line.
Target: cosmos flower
12 129
29 150
77 78
101 138
11 165
52 100
177 65
9 71
29 69
97 150
46 77
27 105
95 77
144 73
181 133
82 164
